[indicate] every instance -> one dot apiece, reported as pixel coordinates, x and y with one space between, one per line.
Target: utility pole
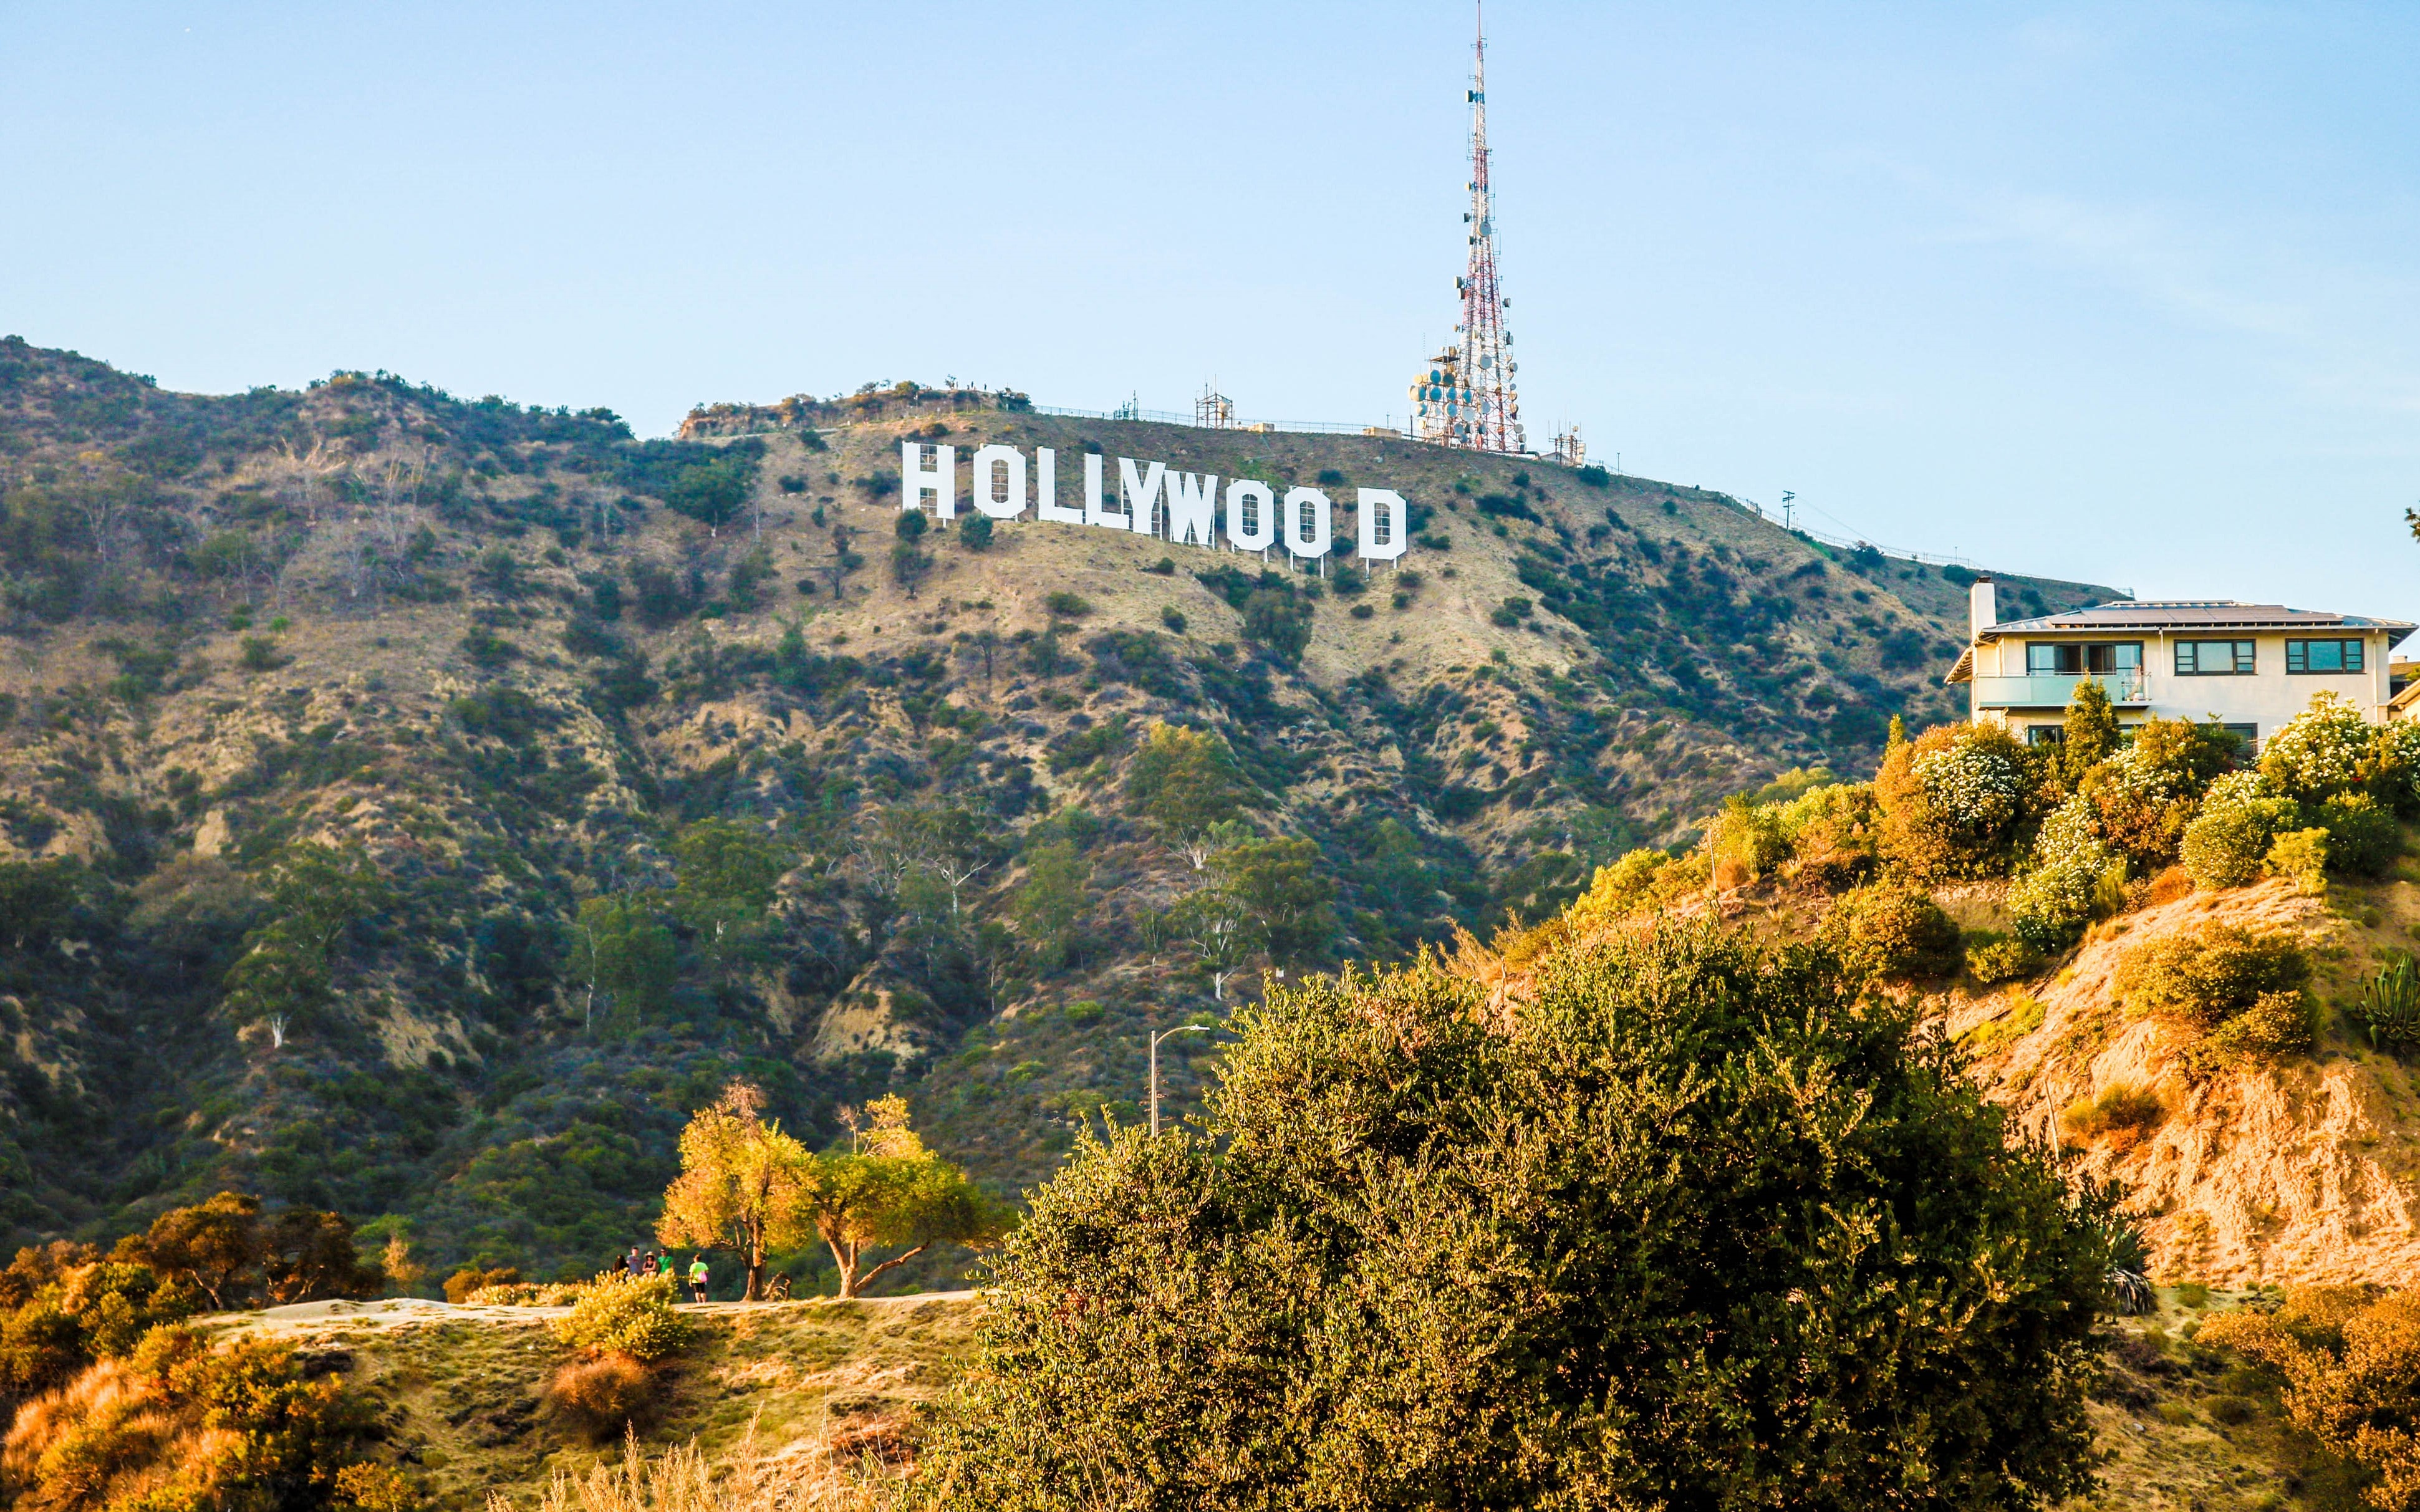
1182 1028
1786 497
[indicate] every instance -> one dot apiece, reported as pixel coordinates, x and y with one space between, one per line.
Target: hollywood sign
1150 499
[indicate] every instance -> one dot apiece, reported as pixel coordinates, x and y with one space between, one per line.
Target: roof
2190 614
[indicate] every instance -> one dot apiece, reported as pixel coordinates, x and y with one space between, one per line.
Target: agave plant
2389 1009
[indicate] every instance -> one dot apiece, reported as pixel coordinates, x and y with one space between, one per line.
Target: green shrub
2275 1026
974 533
1287 1306
2388 1010
2224 846
2144 796
2209 975
628 1315
2362 837
1067 605
2301 854
1893 932
2025 1015
1174 618
1994 957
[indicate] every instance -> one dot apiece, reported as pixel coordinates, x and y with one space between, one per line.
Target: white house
2249 667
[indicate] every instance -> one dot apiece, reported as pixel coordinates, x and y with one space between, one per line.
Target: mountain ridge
520 661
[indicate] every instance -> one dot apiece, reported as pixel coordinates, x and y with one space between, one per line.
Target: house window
2214 658
2323 657
2076 659
2045 735
2248 734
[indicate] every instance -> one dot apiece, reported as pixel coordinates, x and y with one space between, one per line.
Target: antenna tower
1466 397
1486 345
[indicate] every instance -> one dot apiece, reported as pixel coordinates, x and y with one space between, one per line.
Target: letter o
1251 516
1307 522
987 459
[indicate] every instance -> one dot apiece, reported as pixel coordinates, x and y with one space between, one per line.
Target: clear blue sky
2116 291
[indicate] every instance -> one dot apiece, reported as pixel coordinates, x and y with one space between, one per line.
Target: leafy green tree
1277 620
1691 1227
622 950
1215 926
2090 731
1285 898
1050 898
317 892
1186 780
890 1191
727 873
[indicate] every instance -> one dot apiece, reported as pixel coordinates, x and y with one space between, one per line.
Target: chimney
1982 606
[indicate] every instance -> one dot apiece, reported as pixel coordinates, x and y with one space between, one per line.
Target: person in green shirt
697 1278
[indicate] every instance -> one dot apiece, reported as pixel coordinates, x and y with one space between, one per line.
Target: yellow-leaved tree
740 1183
747 1186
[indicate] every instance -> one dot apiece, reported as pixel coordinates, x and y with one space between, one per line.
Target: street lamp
1182 1028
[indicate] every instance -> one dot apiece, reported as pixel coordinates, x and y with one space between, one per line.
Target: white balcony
2057 690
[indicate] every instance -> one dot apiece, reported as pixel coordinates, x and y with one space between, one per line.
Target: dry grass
601 1397
818 1476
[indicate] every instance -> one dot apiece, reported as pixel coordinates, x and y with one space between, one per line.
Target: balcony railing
2056 692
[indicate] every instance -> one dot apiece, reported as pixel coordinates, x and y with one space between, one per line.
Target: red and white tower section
1466 396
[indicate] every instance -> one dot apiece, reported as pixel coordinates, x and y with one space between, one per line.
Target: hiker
697 1277
630 1263
654 1264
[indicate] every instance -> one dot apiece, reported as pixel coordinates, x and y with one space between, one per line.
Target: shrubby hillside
415 808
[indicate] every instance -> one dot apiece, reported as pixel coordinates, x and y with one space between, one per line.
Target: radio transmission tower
1467 396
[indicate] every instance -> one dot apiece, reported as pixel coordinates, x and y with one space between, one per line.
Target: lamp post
1182 1028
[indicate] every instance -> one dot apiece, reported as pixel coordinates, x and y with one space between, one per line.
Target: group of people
647 1262
640 1262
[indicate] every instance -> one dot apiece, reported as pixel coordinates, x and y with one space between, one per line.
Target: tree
1185 780
975 534
740 1183
1277 885
213 1245
1050 898
1274 618
2090 732
1693 1225
621 949
727 875
2350 1358
889 1191
1215 925
317 892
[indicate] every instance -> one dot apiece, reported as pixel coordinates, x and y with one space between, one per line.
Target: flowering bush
1952 802
2073 877
2321 752
1974 783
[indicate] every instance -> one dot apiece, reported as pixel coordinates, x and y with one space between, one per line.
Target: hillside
2298 1173
415 807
